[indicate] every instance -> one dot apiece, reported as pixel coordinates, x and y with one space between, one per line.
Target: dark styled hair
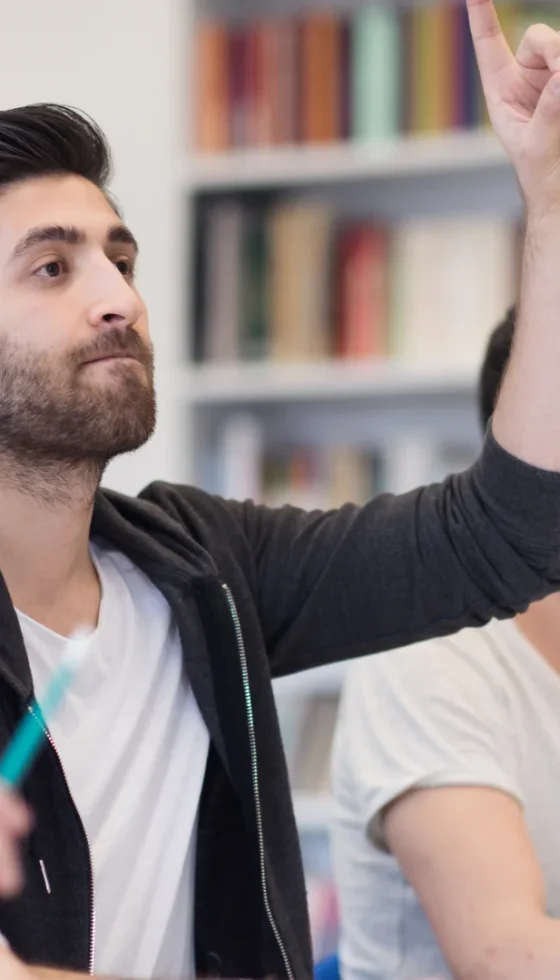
45 139
494 366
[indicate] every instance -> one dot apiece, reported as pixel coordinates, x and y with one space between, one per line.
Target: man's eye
125 267
50 270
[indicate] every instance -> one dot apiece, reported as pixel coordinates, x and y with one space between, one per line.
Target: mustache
113 343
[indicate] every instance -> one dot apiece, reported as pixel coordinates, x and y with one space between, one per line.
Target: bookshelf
235 384
342 163
403 405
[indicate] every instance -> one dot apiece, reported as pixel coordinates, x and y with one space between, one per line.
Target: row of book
384 70
297 283
327 476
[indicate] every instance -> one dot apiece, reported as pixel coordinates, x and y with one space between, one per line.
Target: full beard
58 429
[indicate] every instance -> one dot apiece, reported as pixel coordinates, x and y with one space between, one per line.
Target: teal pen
32 729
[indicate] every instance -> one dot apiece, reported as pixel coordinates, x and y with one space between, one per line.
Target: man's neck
44 554
541 626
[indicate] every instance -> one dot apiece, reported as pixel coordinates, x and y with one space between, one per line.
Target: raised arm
523 97
486 543
482 544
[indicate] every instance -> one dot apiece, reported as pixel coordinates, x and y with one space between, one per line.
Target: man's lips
116 355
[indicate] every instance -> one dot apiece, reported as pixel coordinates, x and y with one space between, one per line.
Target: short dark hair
494 365
46 139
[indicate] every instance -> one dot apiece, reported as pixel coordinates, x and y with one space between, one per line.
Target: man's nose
117 304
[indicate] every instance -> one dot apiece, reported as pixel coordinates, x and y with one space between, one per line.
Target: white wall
120 61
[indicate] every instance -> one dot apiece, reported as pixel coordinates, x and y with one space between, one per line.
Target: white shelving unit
231 384
342 163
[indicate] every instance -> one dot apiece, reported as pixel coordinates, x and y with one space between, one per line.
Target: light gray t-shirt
134 749
480 708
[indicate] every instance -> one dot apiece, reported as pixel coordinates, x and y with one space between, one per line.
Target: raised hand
523 96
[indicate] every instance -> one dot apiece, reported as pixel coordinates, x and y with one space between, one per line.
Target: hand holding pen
15 817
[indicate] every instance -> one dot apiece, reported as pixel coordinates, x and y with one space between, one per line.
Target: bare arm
527 417
468 856
523 96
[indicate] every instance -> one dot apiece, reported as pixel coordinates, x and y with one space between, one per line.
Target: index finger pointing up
492 50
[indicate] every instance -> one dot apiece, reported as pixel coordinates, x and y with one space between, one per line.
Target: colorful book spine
254 338
380 71
321 78
238 88
375 73
432 68
361 258
293 284
211 87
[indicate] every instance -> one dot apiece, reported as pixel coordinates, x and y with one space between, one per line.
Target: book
211 84
345 109
255 288
432 75
361 262
289 81
299 250
350 476
422 70
222 237
367 75
453 279
406 66
289 283
319 477
375 69
321 60
445 47
259 126
238 81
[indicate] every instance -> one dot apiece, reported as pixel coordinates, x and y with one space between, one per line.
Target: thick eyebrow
121 235
70 235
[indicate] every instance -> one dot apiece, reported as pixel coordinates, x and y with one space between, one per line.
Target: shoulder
434 714
196 509
455 687
472 659
179 495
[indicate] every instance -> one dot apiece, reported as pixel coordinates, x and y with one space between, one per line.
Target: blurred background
328 232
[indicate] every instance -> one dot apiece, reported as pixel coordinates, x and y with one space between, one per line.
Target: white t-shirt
480 708
134 749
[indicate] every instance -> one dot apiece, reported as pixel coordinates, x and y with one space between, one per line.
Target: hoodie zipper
255 776
91 949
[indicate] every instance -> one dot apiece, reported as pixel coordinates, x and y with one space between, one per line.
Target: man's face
76 363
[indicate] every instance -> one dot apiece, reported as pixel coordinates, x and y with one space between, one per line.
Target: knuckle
537 35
